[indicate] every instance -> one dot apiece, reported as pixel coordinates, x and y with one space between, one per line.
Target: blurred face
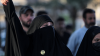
27 18
90 20
96 38
69 30
60 25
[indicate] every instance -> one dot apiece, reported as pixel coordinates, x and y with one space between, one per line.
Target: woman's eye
96 39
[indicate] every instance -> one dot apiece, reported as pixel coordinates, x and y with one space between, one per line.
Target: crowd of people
28 35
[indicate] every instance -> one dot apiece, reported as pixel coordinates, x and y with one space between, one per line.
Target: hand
4 2
46 24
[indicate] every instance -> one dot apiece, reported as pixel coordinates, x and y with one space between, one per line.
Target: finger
7 0
42 26
5 3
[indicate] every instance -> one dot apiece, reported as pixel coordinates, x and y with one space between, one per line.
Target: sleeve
11 16
12 19
72 43
9 9
18 37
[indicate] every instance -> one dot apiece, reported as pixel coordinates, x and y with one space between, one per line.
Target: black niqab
86 47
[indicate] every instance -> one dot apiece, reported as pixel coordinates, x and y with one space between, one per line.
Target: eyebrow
96 38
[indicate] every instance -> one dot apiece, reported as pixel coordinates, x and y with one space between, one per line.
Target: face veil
86 48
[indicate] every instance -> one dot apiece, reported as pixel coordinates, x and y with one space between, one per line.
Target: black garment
18 43
44 39
86 47
63 38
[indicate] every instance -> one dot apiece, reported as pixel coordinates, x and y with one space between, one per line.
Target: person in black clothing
90 45
60 30
69 28
39 40
26 15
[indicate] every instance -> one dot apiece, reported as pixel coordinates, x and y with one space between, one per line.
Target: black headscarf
38 22
86 48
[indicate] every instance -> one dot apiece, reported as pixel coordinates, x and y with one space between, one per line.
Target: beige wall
94 5
19 2
63 1
44 0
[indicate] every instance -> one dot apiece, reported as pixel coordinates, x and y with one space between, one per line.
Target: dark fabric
96 46
44 39
18 43
63 38
86 47
16 39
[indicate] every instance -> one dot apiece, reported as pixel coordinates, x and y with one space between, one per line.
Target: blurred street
1 52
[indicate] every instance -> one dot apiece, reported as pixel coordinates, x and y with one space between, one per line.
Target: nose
93 20
30 17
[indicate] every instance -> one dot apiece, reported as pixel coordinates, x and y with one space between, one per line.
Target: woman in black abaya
90 45
44 39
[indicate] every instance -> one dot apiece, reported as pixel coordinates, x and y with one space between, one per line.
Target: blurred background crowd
64 13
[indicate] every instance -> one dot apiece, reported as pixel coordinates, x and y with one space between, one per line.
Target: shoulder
76 33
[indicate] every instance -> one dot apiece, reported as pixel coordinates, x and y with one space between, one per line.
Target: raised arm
8 8
18 37
11 16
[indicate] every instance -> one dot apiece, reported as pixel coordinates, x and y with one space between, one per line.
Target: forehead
90 15
97 36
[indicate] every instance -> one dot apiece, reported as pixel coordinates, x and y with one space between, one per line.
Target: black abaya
17 41
44 39
86 47
63 38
